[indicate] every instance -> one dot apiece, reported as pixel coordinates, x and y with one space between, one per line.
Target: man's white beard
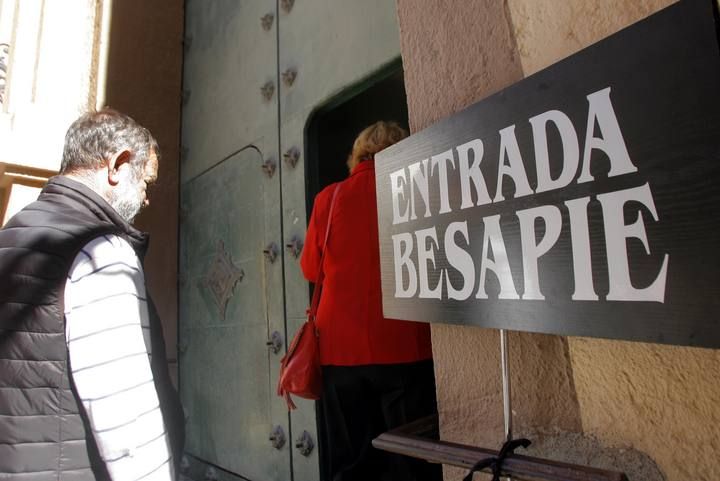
127 203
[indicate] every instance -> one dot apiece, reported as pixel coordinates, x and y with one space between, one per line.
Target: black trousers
361 402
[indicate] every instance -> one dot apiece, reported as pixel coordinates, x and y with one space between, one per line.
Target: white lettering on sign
616 231
419 179
499 265
471 173
402 248
441 162
531 251
580 239
431 264
513 168
611 142
571 150
460 260
398 182
427 245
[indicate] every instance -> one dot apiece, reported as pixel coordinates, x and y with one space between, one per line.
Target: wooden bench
419 439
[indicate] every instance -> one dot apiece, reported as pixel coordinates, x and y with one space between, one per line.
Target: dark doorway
329 135
332 128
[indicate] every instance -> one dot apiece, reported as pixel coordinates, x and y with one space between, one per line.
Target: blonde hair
373 139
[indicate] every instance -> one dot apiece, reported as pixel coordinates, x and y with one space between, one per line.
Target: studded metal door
253 73
325 46
231 276
226 386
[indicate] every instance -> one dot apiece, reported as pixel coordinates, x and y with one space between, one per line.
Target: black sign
583 200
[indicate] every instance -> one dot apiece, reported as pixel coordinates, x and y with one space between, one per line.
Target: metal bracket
305 444
277 437
295 246
275 343
292 156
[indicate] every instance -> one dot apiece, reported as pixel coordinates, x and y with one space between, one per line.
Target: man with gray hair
84 387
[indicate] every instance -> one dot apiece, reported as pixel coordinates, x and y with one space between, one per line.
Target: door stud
267 21
291 157
277 437
275 343
211 474
267 91
295 246
271 252
305 444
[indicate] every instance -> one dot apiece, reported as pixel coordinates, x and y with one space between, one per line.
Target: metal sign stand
507 408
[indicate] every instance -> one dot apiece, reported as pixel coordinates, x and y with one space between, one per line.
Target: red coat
352 328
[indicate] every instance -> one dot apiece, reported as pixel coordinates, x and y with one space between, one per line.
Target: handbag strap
312 312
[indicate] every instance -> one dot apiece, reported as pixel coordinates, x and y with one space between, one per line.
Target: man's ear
115 163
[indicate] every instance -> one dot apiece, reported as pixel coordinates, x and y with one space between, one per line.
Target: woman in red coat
377 372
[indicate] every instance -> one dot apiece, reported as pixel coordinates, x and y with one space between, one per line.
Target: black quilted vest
43 430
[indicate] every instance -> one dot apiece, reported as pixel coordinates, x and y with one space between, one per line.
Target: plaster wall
661 400
144 76
650 410
58 69
51 76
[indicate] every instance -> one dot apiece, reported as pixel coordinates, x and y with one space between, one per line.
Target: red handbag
300 372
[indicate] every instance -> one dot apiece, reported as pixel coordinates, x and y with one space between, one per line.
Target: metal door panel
227 374
332 44
229 57
305 468
351 49
228 407
294 219
226 383
274 291
330 27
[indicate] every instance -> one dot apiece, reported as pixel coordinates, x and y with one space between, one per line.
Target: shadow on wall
586 450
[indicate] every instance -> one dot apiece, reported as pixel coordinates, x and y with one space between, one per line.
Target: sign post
507 392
